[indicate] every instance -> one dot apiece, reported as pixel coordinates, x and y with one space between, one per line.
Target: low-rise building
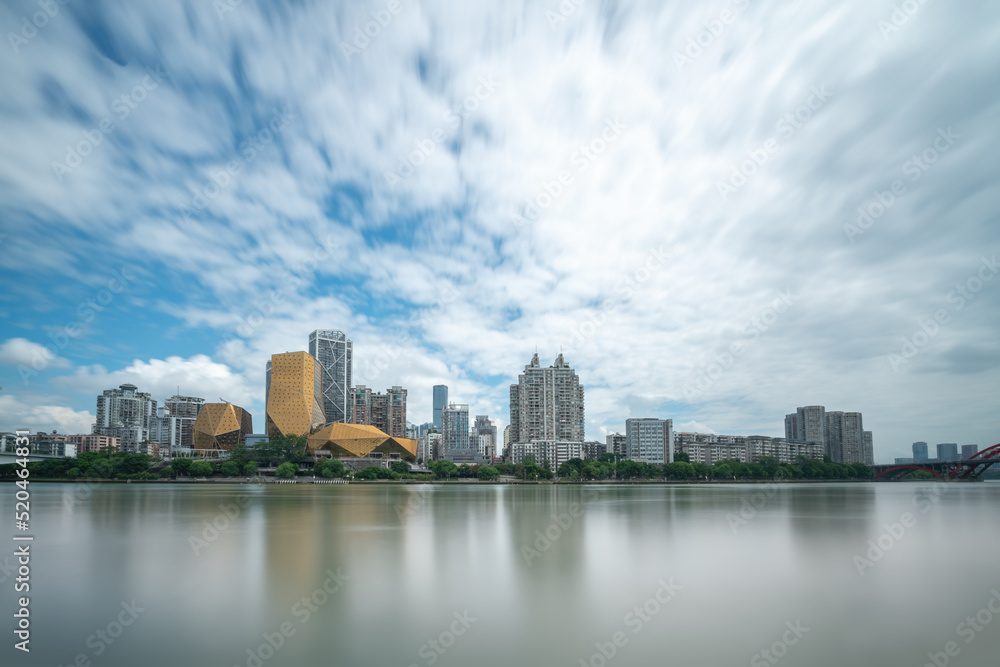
708 448
546 452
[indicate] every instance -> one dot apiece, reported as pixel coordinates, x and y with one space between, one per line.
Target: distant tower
547 404
440 400
335 353
127 414
920 452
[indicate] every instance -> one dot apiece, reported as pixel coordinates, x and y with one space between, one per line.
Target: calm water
464 566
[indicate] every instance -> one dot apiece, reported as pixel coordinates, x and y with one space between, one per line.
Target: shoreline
471 482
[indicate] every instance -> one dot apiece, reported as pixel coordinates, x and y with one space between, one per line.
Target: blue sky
717 211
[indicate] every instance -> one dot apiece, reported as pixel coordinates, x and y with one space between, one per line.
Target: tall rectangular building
616 444
127 414
920 452
174 428
294 395
968 451
454 428
808 424
485 434
547 404
335 353
386 412
649 440
440 400
947 451
845 438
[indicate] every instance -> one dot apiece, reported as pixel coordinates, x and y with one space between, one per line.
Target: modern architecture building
386 412
968 451
294 394
360 441
551 453
440 400
455 428
616 444
947 451
709 448
221 426
127 414
920 452
174 424
547 404
335 353
649 440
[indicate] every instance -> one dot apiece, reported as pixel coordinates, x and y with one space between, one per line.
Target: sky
717 211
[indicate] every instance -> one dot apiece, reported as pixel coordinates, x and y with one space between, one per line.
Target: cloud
23 352
21 413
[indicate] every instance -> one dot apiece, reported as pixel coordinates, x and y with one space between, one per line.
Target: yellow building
221 426
294 394
347 441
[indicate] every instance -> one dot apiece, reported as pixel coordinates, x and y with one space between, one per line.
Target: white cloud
25 413
23 352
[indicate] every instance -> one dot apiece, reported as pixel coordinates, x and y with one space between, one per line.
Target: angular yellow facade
221 426
346 441
294 395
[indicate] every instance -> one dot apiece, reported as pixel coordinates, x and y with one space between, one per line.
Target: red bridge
967 469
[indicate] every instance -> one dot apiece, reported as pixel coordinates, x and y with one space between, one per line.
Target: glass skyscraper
440 400
335 353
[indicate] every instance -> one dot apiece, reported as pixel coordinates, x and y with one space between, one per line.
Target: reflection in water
541 575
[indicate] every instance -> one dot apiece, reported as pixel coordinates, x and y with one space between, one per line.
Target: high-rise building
174 423
593 450
335 353
428 446
386 412
808 424
294 394
968 451
867 448
127 414
947 451
506 442
485 434
920 453
616 444
454 428
440 400
845 437
649 440
547 404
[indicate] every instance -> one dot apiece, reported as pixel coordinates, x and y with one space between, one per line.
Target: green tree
371 472
250 468
287 469
488 473
445 469
201 468
402 467
330 468
682 457
230 468
181 466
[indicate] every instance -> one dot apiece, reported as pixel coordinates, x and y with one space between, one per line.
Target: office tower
547 404
616 444
127 414
968 451
485 434
294 394
947 451
649 440
335 353
440 400
222 426
808 424
386 412
174 424
920 452
454 428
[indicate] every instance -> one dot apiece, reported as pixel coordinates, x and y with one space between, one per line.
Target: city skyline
709 237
